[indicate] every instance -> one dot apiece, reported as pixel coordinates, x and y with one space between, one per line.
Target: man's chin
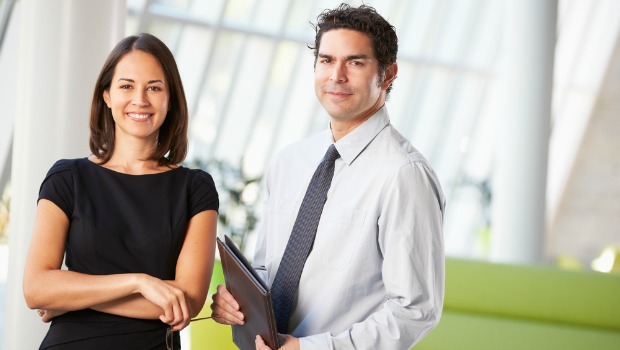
337 110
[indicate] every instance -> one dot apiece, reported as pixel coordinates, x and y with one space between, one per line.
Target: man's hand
225 309
288 343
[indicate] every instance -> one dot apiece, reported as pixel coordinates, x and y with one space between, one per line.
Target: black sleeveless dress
121 223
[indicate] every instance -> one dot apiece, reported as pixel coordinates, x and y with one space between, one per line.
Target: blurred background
517 109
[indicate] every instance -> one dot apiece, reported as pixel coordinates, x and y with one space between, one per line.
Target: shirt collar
354 143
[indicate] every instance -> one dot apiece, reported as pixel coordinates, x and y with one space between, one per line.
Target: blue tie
286 283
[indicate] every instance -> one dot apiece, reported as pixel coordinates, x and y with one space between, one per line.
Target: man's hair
366 20
172 139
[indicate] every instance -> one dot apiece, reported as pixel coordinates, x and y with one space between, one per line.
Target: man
374 278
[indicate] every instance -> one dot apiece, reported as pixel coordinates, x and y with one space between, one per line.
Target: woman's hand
47 286
47 315
171 299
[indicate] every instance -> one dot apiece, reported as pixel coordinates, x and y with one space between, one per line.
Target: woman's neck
133 158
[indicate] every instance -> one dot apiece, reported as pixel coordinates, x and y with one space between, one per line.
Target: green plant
238 194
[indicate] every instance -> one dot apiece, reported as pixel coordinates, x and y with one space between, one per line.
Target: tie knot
332 154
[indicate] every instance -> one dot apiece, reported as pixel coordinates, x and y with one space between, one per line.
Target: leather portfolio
253 296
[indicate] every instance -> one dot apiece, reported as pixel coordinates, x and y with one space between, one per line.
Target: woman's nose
139 98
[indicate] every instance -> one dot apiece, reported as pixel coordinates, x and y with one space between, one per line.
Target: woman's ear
106 97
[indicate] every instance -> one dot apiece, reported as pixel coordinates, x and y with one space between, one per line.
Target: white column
63 44
527 50
8 62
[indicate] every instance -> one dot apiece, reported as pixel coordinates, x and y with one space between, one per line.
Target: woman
138 230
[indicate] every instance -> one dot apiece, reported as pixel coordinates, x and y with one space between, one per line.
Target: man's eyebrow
358 57
348 58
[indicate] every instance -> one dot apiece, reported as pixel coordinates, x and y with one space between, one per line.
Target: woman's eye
154 88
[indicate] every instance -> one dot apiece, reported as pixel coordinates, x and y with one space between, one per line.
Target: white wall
62 45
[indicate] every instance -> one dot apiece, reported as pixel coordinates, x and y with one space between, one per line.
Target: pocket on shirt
338 237
279 225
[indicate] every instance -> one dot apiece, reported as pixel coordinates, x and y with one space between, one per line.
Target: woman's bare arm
48 287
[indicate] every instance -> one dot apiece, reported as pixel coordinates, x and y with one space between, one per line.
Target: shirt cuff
315 342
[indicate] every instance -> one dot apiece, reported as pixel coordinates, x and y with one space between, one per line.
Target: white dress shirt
375 276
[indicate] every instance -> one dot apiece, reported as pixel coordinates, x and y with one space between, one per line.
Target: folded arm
48 287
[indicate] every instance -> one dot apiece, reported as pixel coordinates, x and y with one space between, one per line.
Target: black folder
253 296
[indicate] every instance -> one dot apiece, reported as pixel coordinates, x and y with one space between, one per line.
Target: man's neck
341 128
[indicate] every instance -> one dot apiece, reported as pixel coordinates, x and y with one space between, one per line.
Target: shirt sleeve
410 238
260 251
57 187
203 194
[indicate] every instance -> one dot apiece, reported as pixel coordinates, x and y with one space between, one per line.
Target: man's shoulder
400 148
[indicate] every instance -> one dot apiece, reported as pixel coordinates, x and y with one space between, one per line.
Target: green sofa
208 334
501 307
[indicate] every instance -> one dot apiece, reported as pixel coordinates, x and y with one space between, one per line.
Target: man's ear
106 97
390 75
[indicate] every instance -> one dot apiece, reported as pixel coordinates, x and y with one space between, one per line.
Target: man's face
346 76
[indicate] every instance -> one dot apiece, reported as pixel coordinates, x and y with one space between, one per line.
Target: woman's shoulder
63 165
203 193
198 176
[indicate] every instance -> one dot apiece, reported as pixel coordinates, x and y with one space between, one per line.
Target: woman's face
138 96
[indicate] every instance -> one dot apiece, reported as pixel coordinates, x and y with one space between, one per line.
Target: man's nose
339 73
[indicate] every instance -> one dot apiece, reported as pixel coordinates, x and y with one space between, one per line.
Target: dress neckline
99 166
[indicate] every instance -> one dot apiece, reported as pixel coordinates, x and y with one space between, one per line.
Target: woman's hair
366 20
172 140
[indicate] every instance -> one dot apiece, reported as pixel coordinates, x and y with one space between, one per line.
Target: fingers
170 298
181 313
173 316
44 315
187 317
260 344
175 309
288 342
225 308
47 315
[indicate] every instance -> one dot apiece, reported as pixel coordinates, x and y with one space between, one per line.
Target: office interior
515 103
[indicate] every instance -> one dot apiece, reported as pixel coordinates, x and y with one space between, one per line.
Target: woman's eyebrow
149 82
